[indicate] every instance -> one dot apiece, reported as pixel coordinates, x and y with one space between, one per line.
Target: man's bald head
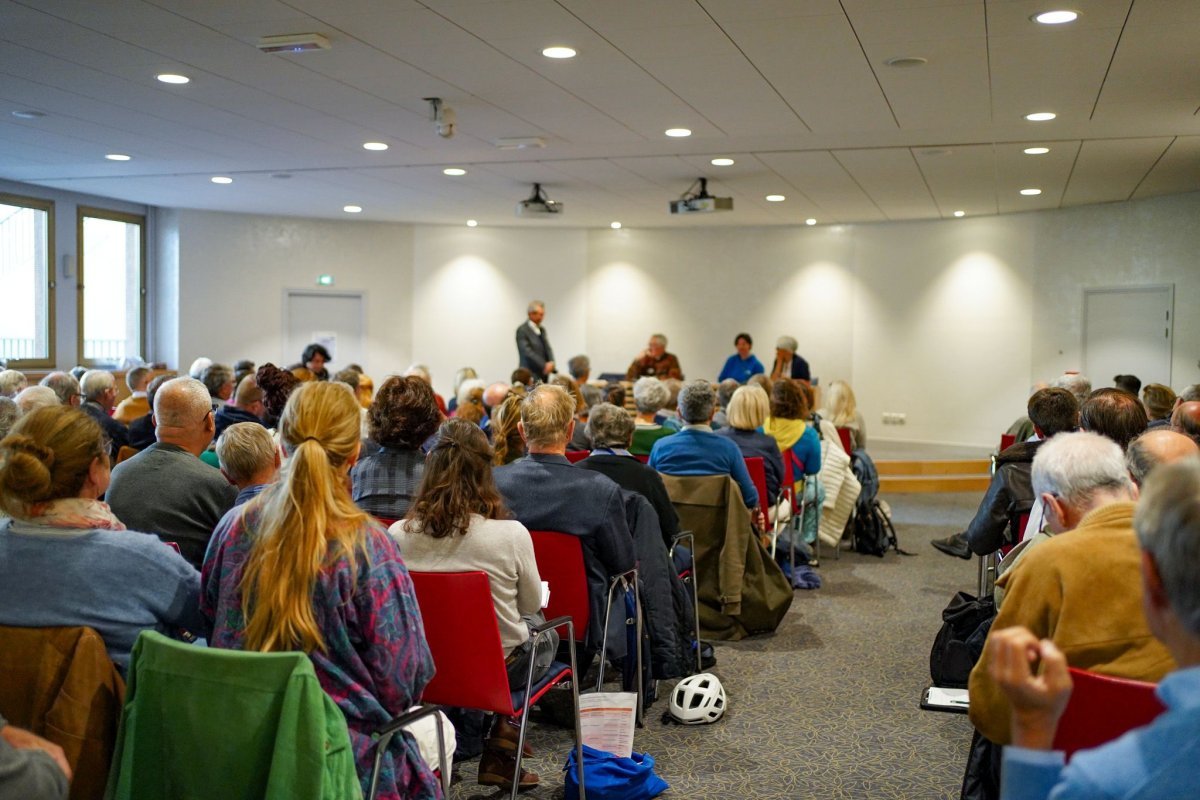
183 414
494 395
1186 420
1157 447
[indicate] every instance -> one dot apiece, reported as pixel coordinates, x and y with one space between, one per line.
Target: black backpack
872 532
958 645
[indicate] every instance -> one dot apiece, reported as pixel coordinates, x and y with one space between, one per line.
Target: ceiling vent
293 43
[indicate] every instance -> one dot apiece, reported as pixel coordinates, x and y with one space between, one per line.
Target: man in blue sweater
696 450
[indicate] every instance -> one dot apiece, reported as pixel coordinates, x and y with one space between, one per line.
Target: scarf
75 512
786 432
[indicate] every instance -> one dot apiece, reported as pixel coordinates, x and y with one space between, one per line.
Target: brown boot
496 769
506 731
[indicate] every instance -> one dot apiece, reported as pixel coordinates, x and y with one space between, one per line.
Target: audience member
654 361
303 568
725 390
1159 401
66 386
1010 492
1076 384
1113 413
521 377
249 458
135 405
65 560
385 480
188 497
579 439
546 493
580 369
242 368
277 385
507 444
31 768
141 430
34 397
1128 383
198 366
458 523
1153 449
615 394
463 374
12 383
100 396
650 395
470 391
314 358
218 379
668 415
1190 394
1079 587
1186 419
789 363
77 372
9 412
534 352
841 408
494 395
1156 761
748 411
247 406
696 450
611 432
742 364
366 390
421 371
788 423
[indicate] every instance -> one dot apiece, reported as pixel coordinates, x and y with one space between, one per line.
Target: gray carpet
827 706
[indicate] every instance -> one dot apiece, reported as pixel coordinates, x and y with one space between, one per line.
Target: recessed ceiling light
117 157
1055 17
1031 192
559 51
960 213
1036 151
374 146
454 171
616 226
1041 116
810 221
722 162
171 77
471 223
222 179
28 114
678 132
352 209
906 61
775 198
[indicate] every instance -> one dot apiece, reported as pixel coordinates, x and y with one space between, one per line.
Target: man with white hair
1158 760
12 383
166 489
650 395
789 363
1076 384
655 361
534 352
35 397
99 397
65 386
1080 588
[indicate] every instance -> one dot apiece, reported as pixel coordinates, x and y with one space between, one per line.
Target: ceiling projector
700 202
538 204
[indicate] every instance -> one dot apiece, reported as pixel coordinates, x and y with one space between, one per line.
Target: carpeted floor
827 706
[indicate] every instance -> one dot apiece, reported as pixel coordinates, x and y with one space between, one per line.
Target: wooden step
912 484
975 466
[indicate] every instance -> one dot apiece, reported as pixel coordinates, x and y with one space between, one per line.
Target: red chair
559 558
844 435
464 639
1007 440
1102 708
643 459
575 456
758 476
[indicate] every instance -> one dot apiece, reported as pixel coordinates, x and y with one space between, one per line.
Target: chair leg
637 610
578 730
691 537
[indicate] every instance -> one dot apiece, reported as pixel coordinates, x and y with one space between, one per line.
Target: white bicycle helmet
698 699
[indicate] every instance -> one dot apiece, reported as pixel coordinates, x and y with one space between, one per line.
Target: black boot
955 545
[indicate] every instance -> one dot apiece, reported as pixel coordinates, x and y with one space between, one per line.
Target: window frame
81 213
51 358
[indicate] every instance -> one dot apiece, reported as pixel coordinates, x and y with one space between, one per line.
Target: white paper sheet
606 721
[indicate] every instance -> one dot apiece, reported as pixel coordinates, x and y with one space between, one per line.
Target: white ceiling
796 91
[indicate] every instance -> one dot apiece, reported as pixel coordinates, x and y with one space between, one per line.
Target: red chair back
1102 708
559 559
844 435
464 639
758 476
1007 440
575 456
642 458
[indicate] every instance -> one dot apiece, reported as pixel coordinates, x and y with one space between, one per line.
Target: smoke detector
293 43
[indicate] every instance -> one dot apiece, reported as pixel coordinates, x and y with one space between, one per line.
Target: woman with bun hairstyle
65 559
301 567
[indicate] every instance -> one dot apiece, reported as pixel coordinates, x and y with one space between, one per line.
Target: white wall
235 268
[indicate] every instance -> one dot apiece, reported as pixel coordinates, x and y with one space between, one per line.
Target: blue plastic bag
611 777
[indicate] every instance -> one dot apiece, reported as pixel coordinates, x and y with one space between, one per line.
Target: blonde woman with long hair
301 567
842 410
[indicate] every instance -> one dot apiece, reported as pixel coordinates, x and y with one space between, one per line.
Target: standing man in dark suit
533 346
546 493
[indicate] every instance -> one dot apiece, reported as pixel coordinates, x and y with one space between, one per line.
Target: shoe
496 769
955 545
506 731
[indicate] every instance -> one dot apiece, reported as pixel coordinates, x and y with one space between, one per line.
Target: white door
1128 331
334 319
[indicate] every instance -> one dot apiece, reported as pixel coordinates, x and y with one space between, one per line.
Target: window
26 286
111 286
